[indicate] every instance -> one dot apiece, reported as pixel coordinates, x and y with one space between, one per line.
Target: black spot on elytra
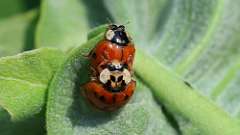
102 98
188 84
114 98
95 94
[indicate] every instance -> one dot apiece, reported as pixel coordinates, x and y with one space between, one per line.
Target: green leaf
143 17
16 33
31 126
65 24
69 113
62 24
13 7
24 80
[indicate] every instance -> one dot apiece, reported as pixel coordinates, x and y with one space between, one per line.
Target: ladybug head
117 34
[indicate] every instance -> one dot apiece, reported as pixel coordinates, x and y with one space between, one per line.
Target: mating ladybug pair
111 61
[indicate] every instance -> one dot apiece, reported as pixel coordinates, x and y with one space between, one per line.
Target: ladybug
113 87
116 45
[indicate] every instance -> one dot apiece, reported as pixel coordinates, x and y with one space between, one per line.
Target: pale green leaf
63 24
17 33
24 80
31 126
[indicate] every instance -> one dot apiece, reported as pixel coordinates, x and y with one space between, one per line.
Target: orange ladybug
116 45
111 61
112 89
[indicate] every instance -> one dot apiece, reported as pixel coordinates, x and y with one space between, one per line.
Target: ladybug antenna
109 21
126 23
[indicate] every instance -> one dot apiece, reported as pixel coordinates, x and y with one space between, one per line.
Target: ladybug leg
129 68
94 74
93 78
130 63
101 66
105 58
130 60
88 55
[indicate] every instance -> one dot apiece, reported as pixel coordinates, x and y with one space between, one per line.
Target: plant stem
180 98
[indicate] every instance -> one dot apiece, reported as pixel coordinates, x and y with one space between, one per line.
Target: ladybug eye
113 27
121 27
125 65
104 76
109 35
111 67
126 76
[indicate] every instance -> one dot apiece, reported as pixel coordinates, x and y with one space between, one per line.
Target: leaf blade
61 23
18 37
24 79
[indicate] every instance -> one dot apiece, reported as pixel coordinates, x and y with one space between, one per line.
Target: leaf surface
62 24
17 33
24 80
